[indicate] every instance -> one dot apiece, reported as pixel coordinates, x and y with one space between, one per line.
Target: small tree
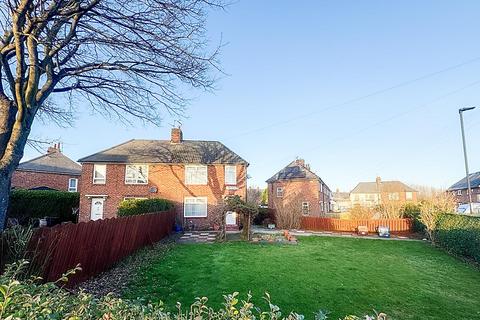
246 211
431 209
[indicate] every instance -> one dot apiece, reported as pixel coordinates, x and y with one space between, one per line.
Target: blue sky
356 88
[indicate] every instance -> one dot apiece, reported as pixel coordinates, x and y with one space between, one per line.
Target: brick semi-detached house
51 171
460 189
297 187
195 175
371 194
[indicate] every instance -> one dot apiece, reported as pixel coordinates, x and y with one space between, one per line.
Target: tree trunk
5 182
13 138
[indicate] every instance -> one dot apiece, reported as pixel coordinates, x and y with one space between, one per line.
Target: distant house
460 190
298 185
341 201
370 194
51 171
195 175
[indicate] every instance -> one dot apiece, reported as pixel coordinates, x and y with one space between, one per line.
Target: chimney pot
176 136
54 148
378 180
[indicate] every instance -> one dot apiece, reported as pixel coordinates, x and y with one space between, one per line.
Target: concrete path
256 229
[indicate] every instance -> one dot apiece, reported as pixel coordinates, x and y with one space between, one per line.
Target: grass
406 279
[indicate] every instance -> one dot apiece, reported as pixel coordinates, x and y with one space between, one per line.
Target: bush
459 235
263 213
29 300
35 204
132 207
13 244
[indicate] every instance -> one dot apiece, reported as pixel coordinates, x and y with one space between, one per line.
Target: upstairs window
196 175
459 192
136 174
230 175
279 192
305 207
409 195
99 173
72 185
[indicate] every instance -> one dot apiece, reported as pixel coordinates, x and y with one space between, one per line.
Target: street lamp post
469 190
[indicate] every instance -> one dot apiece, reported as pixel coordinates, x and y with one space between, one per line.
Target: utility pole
469 189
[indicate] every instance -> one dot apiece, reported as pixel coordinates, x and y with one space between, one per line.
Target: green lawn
407 280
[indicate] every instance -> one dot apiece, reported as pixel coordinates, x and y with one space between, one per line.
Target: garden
405 279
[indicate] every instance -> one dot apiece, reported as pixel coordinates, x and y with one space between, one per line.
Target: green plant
13 244
263 213
30 204
459 235
133 207
27 299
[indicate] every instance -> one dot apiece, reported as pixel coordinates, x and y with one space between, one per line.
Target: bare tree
254 195
124 58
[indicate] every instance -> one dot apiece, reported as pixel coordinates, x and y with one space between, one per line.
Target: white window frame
409 195
97 180
186 199
229 180
190 180
280 192
70 188
136 179
305 207
459 192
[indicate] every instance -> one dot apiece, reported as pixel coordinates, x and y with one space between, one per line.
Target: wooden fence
347 225
95 245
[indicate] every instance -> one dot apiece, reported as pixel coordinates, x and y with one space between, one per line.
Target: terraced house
195 175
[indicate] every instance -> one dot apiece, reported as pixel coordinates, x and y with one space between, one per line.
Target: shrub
132 207
263 213
360 212
34 204
432 209
459 235
28 300
13 244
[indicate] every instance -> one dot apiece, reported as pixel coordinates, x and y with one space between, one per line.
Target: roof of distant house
341 195
296 169
52 162
382 186
462 184
164 151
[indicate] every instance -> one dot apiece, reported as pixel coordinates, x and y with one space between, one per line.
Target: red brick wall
296 192
170 183
28 180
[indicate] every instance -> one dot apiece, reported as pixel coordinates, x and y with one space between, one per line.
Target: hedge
28 204
133 207
459 235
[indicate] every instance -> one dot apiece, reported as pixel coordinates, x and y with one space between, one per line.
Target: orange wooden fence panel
96 245
347 225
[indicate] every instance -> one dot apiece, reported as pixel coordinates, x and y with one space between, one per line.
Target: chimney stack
300 162
378 180
177 135
54 149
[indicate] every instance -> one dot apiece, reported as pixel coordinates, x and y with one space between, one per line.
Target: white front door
97 209
231 218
